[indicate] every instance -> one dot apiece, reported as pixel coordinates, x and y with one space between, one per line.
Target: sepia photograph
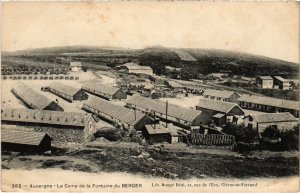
149 96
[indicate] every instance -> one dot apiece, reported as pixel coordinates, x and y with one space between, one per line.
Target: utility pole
154 121
167 114
134 114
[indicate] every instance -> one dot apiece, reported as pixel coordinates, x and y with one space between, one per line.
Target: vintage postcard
149 96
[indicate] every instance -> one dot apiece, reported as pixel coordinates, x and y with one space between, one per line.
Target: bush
241 133
112 134
271 132
290 139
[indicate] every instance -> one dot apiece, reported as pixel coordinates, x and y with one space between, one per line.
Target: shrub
112 134
290 139
241 133
271 132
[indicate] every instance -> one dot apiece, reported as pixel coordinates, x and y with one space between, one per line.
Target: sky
263 28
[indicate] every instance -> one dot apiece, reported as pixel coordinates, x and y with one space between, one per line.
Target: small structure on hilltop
127 118
269 104
75 66
281 121
24 141
133 68
281 83
67 92
104 91
219 111
33 99
221 95
264 82
61 126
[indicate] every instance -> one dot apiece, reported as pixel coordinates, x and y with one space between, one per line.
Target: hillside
242 63
192 61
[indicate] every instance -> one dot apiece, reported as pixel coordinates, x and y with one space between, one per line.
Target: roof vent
66 119
34 117
57 118
50 117
19 116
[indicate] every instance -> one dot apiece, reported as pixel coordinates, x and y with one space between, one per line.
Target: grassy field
159 161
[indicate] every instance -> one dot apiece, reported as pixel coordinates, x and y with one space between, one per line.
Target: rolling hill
193 61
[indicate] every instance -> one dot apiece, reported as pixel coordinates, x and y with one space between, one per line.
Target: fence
39 77
211 139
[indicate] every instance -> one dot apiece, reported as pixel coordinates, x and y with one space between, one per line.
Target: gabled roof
77 64
134 66
22 137
218 93
216 105
174 84
30 96
219 115
44 117
101 87
265 77
172 68
270 101
273 117
121 113
160 107
69 90
281 79
157 129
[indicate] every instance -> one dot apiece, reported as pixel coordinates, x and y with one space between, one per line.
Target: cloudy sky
263 28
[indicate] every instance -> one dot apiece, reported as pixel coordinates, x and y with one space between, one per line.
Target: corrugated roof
30 96
121 113
270 101
273 117
44 116
69 90
218 93
266 77
216 105
101 87
160 107
22 137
